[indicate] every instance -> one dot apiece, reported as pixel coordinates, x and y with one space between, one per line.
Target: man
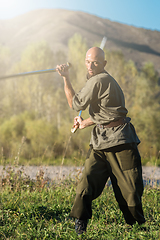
113 142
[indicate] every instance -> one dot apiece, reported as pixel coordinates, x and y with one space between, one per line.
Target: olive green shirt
106 104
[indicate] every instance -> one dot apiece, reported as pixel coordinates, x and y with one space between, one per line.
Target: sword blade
31 73
28 73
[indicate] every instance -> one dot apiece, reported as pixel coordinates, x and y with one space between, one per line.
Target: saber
103 43
31 73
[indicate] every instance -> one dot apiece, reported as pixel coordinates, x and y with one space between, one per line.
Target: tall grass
40 210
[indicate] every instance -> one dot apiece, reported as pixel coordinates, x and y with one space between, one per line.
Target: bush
30 138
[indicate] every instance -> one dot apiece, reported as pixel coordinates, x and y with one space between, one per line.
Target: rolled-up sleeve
84 97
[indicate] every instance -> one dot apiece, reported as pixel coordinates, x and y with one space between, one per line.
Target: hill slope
56 26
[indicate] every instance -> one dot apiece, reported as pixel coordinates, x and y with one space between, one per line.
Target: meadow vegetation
40 209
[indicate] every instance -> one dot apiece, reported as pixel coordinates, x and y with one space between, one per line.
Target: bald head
95 61
96 52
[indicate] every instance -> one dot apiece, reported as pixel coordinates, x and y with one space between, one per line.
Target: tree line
34 111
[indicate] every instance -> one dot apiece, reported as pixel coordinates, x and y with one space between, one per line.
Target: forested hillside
57 26
35 119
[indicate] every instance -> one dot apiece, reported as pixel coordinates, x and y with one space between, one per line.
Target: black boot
80 226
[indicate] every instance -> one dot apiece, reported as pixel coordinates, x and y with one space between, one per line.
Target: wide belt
112 124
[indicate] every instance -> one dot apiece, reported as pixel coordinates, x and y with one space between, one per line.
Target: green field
40 210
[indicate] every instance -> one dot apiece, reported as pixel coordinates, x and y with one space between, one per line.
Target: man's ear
105 62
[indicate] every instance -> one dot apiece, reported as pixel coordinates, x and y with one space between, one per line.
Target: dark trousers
123 165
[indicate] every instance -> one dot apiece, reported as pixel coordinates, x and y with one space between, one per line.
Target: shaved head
96 53
95 61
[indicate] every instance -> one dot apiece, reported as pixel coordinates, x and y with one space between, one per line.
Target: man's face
94 62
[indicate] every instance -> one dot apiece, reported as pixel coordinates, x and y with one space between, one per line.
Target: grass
40 210
152 161
74 161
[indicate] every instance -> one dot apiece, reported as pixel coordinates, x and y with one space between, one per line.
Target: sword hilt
74 129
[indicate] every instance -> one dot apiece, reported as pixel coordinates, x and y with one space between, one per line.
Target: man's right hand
63 70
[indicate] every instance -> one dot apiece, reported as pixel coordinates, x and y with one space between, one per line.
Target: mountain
56 26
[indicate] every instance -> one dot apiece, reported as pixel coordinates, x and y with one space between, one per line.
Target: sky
138 13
